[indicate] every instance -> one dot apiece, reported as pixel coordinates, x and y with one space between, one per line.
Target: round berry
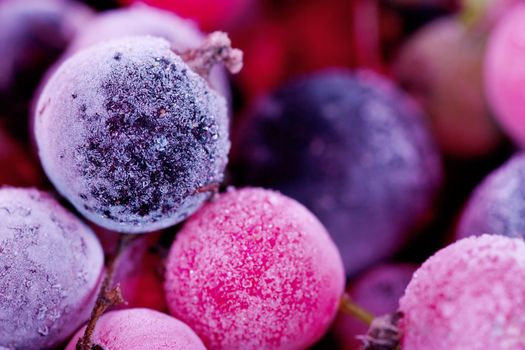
133 137
50 268
254 270
33 33
353 149
141 19
505 73
498 203
450 87
137 329
469 295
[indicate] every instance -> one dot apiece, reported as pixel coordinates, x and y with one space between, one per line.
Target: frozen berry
352 149
144 20
449 86
137 329
254 270
505 73
132 136
33 33
50 267
469 295
378 291
498 204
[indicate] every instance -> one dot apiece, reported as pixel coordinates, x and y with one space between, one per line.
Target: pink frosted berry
138 329
469 295
254 270
505 73
50 268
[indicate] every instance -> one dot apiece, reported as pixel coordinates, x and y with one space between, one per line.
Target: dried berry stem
215 49
383 334
212 187
108 296
347 306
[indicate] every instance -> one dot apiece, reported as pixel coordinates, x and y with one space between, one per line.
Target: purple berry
50 267
498 203
133 137
33 33
141 19
352 149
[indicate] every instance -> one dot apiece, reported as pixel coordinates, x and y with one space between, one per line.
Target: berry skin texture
378 291
138 329
254 270
469 295
50 268
505 73
498 203
141 19
353 149
131 136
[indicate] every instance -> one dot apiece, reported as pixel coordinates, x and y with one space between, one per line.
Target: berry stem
215 49
473 11
212 187
383 333
347 306
107 296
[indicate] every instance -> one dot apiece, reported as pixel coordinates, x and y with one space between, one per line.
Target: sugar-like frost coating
254 270
131 136
137 329
50 267
469 295
140 19
498 203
